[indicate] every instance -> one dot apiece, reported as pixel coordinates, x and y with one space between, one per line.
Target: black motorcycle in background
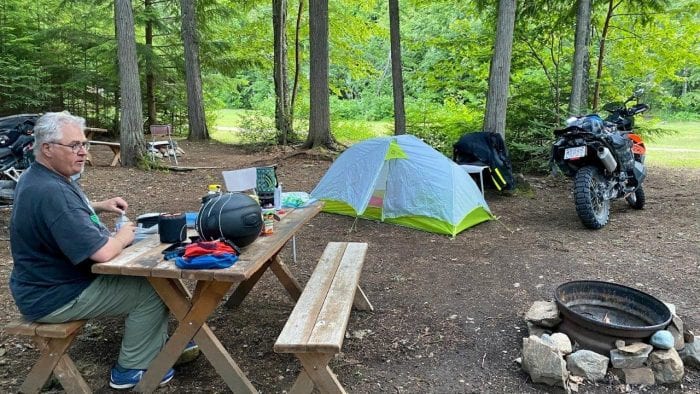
16 151
605 159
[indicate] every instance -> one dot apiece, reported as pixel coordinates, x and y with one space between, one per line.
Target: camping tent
404 181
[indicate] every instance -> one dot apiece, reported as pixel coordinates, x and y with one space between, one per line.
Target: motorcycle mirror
639 92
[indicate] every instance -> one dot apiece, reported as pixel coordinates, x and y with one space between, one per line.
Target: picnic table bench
53 340
115 147
316 328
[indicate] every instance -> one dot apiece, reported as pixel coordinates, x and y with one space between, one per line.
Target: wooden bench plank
59 330
332 321
21 327
301 322
319 319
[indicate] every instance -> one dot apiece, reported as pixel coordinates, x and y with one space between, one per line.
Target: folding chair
164 131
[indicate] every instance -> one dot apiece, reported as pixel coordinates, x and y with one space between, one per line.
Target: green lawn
237 125
678 149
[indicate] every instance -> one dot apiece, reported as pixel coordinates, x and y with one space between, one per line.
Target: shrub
440 126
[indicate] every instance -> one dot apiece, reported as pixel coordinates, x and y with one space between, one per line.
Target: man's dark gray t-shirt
53 233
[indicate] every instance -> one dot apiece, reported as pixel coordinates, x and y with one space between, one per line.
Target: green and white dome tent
404 181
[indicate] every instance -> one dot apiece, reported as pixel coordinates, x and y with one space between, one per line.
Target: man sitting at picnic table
55 237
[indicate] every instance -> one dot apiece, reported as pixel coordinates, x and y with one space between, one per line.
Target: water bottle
278 197
120 222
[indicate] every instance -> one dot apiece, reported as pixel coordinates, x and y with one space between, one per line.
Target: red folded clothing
215 248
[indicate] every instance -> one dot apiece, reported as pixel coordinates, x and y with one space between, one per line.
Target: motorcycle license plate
575 152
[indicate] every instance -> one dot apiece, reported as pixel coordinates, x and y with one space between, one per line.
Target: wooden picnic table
115 147
192 310
91 131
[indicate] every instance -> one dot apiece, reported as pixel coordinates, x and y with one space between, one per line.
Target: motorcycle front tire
637 202
591 206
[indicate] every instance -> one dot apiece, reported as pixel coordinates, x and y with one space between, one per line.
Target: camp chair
478 170
164 131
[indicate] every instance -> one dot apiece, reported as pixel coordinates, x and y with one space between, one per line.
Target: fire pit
596 314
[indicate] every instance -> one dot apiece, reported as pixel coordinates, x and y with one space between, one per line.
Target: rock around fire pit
617 333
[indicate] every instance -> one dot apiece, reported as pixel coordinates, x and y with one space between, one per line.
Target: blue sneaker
190 353
123 378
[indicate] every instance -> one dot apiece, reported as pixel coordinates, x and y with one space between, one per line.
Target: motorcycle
605 158
16 151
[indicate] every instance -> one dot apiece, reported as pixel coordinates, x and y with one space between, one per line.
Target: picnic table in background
114 147
192 310
91 131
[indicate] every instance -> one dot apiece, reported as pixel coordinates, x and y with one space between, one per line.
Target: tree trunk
499 73
283 119
295 86
319 116
131 125
601 53
396 72
578 102
195 100
150 77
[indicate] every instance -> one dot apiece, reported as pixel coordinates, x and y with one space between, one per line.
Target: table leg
245 287
191 323
116 150
286 278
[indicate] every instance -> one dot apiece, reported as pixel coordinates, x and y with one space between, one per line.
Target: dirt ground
448 312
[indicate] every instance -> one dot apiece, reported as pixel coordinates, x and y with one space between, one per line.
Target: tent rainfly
404 181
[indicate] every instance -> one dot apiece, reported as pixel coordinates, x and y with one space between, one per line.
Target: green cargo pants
146 326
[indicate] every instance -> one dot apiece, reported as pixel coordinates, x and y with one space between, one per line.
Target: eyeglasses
75 147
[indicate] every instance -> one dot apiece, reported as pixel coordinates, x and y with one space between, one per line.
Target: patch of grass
231 117
348 132
231 126
681 148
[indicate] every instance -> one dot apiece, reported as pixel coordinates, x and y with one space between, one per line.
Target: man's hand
120 240
116 204
126 234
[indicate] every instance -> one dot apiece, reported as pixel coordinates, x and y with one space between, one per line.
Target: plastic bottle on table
120 222
278 197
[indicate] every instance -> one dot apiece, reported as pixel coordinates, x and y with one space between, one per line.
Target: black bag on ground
487 149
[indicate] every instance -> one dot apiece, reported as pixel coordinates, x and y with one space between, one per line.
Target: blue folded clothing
207 261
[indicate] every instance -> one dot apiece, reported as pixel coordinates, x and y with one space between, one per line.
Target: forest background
64 55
